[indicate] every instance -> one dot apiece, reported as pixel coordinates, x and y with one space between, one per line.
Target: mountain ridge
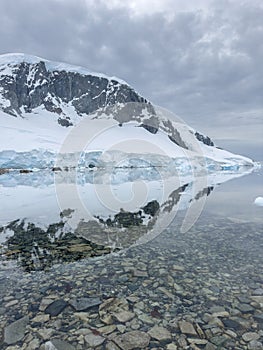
51 99
27 82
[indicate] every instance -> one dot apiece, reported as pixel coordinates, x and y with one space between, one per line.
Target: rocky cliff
28 85
69 92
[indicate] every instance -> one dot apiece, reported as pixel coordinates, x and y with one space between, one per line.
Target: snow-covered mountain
49 109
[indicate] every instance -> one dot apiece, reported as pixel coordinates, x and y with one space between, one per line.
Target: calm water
53 249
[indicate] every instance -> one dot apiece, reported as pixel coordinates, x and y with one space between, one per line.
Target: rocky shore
200 290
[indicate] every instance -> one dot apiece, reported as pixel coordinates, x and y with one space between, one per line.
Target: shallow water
210 276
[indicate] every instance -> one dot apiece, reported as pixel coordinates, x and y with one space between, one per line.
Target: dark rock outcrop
32 85
205 139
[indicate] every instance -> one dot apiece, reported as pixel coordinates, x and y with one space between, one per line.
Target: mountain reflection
36 232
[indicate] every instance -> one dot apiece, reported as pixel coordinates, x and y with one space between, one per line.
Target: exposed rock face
28 82
32 85
205 139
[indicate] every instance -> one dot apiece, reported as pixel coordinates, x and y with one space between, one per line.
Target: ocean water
140 252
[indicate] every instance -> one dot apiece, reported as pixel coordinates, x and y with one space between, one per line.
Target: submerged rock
15 331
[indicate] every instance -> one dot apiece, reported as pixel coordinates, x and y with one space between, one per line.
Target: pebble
56 307
57 344
249 336
187 328
159 333
94 340
163 298
245 308
255 345
171 347
15 331
132 340
41 318
83 304
11 303
123 316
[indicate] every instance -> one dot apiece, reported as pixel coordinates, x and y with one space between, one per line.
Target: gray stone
210 346
232 324
15 331
111 346
255 345
258 291
45 333
56 307
138 273
218 340
245 308
187 328
132 340
123 316
82 304
259 318
159 333
249 336
171 347
94 340
57 344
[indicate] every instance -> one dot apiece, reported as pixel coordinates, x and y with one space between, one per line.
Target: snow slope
122 134
10 60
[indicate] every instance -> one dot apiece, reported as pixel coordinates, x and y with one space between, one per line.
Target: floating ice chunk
259 201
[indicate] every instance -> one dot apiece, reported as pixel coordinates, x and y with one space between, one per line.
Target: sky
200 59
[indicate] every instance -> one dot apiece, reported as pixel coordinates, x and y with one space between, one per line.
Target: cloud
200 59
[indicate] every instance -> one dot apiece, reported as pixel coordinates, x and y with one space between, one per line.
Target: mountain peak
28 82
14 59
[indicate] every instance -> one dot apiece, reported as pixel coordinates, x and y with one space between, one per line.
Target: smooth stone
82 304
247 337
231 333
56 307
111 346
182 341
232 324
258 291
245 308
57 344
33 345
166 292
107 329
159 333
187 328
146 319
45 333
258 299
255 345
44 303
11 303
132 340
121 328
15 331
197 341
178 268
123 316
210 346
110 306
171 347
218 340
259 318
221 314
94 340
139 273
40 318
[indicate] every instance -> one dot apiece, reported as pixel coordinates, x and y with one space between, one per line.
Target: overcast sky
201 59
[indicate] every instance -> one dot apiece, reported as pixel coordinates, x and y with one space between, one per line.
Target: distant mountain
42 101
